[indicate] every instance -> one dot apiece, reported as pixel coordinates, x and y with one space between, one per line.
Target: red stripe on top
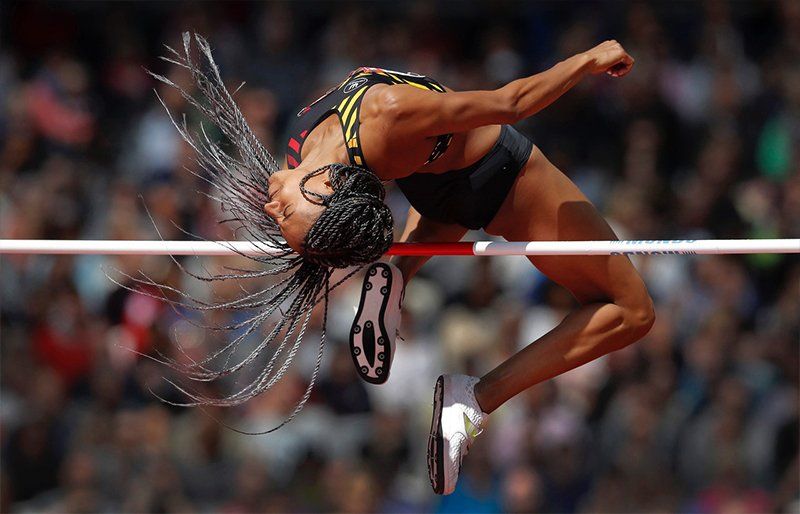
292 161
303 134
294 145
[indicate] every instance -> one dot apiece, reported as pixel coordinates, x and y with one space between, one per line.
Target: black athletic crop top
345 100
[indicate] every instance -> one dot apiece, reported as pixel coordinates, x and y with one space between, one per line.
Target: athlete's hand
609 57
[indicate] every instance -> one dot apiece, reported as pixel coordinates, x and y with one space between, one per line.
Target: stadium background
700 141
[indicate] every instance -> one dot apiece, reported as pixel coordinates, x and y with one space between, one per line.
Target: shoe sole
436 447
369 340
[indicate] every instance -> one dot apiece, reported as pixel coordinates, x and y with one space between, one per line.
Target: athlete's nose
273 209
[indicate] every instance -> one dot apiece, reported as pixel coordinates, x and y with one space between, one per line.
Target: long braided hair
355 224
355 229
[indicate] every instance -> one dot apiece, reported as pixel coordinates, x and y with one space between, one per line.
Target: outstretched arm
423 230
417 112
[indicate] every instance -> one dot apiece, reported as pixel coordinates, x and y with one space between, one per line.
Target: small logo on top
354 84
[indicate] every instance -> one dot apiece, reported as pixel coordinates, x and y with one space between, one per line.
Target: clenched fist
609 57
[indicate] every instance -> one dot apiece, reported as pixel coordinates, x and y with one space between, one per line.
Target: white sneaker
457 421
372 336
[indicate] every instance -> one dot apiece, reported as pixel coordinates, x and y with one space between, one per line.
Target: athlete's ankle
482 397
408 266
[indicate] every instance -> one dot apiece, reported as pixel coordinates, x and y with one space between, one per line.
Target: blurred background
700 141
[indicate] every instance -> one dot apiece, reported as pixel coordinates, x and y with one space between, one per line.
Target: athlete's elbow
510 107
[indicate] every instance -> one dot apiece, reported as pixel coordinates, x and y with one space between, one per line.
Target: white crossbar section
668 247
105 247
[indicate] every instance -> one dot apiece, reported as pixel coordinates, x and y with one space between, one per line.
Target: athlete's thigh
545 205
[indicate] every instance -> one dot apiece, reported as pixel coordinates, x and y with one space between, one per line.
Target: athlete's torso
458 178
345 101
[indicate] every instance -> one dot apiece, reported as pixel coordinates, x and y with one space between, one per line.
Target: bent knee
639 318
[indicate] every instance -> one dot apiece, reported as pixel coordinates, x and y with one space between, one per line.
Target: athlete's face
290 208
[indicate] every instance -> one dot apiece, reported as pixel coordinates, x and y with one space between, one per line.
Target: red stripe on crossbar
463 248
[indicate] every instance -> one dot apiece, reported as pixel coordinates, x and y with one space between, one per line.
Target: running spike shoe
457 421
372 336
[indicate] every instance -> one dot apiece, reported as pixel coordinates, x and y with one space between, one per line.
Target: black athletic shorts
470 197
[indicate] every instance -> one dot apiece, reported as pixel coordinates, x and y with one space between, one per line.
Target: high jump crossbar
222 248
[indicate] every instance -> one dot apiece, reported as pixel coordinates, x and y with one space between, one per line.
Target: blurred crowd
699 141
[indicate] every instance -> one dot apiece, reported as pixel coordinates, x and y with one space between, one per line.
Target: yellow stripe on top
349 130
417 85
349 117
395 77
349 106
345 106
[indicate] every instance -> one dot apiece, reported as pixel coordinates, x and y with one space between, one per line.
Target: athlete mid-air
461 164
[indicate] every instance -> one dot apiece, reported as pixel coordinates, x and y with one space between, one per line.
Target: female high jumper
462 166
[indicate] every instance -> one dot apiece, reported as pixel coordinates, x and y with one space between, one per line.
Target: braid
355 229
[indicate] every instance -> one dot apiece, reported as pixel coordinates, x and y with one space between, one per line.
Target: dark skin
399 125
